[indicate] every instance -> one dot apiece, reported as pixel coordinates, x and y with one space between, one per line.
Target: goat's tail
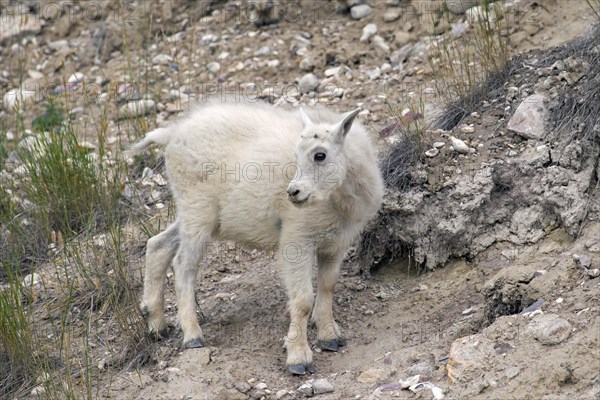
159 136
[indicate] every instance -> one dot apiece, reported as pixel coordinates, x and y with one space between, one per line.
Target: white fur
213 158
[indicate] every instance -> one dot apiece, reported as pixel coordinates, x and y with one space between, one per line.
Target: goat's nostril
293 192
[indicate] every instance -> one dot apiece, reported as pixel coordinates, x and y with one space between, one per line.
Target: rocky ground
513 219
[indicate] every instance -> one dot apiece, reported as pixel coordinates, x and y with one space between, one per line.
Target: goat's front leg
296 266
328 332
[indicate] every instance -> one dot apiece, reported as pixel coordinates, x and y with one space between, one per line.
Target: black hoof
331 345
301 369
194 343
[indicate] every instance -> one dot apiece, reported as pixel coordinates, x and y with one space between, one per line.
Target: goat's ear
344 126
305 120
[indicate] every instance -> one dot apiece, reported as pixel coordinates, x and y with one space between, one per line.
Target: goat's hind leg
160 251
186 265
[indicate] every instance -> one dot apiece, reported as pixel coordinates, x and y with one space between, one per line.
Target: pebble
512 153
329 72
373 73
361 11
512 372
458 145
368 31
281 394
467 129
380 43
261 386
213 67
391 15
439 145
162 59
306 64
432 153
321 386
308 83
550 329
263 51
137 108
373 376
77 77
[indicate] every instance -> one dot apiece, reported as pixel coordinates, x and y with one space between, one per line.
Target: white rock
263 51
467 129
306 389
281 394
368 31
162 59
458 145
380 43
373 73
137 108
529 118
261 386
329 72
361 11
77 77
17 98
308 83
438 145
273 63
432 153
306 64
213 67
321 386
391 15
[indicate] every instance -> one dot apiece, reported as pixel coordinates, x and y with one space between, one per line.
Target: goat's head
321 162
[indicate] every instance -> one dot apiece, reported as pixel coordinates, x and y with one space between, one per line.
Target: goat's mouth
298 201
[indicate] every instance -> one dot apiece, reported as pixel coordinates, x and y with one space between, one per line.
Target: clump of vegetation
471 60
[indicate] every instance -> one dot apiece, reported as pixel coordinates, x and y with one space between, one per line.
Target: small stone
373 73
458 145
432 153
582 260
467 129
329 72
373 376
512 372
281 394
213 67
529 118
380 43
361 11
75 78
137 108
391 15
38 391
368 31
550 329
321 386
261 386
263 51
306 389
162 59
306 64
512 153
308 83
439 145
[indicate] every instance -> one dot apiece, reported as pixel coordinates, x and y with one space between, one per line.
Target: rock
373 73
321 386
76 78
137 108
213 67
261 386
402 38
281 394
582 261
306 389
438 145
512 372
432 153
17 98
380 44
465 358
263 51
373 376
459 7
306 64
550 329
458 145
15 26
308 83
162 59
368 31
361 11
329 72
398 57
391 15
529 118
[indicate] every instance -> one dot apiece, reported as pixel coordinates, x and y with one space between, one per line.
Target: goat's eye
320 156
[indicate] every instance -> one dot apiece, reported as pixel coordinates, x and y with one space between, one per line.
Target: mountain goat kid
302 182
